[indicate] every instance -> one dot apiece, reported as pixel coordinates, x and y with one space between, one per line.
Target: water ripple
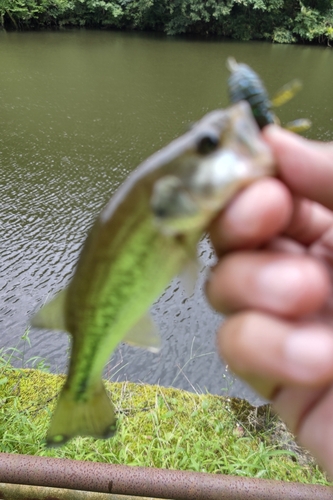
70 134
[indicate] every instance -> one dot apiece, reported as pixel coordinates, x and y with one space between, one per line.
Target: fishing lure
245 84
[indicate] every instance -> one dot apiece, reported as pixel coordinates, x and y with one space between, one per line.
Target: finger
308 413
323 248
263 210
315 429
285 245
269 353
278 283
253 217
294 403
309 221
305 166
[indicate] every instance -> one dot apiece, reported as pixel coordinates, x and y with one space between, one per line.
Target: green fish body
146 235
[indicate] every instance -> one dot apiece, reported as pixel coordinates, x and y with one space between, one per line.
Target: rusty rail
23 492
148 482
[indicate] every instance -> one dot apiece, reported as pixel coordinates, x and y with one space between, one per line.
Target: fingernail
310 352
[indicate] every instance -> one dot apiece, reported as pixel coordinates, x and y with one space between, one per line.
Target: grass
157 427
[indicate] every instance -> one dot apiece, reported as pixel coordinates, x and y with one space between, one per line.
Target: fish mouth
181 205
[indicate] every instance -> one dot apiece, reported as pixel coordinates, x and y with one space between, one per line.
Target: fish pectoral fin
52 314
91 414
189 276
144 334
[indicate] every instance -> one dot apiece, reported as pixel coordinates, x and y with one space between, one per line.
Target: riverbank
158 427
280 22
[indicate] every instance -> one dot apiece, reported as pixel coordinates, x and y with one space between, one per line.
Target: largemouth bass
146 235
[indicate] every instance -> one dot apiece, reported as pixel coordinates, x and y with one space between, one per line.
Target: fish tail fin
52 314
92 416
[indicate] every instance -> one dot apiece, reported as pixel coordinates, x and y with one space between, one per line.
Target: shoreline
159 427
282 24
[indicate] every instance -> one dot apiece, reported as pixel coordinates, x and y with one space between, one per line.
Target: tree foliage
282 21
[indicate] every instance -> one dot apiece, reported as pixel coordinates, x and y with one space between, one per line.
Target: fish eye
207 144
160 212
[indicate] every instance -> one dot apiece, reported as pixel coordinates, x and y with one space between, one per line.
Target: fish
145 236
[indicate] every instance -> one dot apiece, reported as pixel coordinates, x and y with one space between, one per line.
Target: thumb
306 167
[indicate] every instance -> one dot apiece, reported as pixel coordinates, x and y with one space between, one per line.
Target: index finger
305 166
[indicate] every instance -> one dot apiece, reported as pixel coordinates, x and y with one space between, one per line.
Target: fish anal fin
144 334
91 416
189 275
52 314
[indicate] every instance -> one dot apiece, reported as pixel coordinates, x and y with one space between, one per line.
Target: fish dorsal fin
144 334
52 314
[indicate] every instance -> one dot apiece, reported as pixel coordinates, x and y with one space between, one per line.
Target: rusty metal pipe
23 492
141 481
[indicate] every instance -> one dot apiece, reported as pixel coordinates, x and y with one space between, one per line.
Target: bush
282 21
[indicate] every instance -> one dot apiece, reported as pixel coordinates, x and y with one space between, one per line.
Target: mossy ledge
158 427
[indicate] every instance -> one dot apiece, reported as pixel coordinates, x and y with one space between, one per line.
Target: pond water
79 111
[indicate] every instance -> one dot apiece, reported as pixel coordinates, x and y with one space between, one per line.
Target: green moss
158 427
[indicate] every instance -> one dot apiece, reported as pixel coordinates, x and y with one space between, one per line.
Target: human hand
273 279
